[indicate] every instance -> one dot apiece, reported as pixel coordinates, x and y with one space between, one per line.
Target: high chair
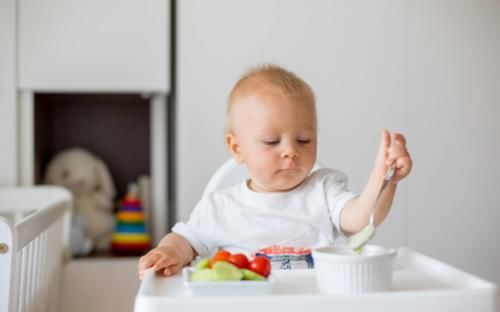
420 283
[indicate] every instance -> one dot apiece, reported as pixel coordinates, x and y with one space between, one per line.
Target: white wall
429 69
453 109
8 124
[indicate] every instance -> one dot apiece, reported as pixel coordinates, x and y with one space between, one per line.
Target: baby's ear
232 144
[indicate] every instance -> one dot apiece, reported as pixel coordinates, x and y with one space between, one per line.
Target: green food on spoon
361 238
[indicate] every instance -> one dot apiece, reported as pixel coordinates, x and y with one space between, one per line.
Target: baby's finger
147 261
164 262
395 152
172 270
403 165
385 142
398 138
403 168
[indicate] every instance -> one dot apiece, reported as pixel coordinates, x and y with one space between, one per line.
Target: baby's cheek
260 172
265 175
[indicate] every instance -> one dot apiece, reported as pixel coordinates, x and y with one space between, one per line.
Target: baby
271 128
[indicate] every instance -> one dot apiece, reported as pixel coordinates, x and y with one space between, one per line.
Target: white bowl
227 288
341 271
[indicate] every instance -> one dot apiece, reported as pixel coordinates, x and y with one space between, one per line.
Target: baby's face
276 138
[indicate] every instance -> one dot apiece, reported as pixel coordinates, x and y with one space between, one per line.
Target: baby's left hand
394 154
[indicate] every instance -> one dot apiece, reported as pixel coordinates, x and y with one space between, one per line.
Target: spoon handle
388 178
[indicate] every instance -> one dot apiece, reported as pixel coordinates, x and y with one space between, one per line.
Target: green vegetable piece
358 250
203 275
202 264
362 237
251 275
225 271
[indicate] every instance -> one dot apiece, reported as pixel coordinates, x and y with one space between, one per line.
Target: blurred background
143 85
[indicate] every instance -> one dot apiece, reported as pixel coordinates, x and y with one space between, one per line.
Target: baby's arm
173 252
354 216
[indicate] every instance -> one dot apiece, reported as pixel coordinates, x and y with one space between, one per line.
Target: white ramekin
341 271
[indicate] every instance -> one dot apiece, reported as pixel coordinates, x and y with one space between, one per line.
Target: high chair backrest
231 173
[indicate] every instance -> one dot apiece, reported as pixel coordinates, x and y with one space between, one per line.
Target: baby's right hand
164 260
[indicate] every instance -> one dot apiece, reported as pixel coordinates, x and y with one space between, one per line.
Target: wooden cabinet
94 45
116 48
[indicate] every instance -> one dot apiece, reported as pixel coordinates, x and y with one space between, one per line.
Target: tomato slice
221 255
239 260
260 265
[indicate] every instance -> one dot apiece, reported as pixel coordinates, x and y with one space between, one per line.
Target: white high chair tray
419 283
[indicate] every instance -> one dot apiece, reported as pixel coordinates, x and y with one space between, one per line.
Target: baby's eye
303 141
271 142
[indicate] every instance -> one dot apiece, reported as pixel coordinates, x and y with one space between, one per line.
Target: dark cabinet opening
114 127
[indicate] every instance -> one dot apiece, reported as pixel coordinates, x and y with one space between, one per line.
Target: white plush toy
90 182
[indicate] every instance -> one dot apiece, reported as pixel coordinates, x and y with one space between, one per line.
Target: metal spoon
359 239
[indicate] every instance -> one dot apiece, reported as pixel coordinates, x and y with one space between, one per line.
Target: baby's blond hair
269 78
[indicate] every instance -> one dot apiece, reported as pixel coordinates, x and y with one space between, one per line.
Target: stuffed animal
90 182
79 243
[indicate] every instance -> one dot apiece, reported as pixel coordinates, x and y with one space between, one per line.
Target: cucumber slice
203 275
251 275
225 271
202 264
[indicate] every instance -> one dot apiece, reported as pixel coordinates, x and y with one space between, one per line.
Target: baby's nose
290 152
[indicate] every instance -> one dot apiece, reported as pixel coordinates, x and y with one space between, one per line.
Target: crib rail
32 240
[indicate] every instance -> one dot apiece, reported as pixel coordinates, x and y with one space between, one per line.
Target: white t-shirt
241 220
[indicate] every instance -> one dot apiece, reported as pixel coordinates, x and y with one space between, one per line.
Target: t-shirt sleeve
337 194
198 230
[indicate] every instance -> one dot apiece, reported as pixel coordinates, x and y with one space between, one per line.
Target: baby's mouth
289 170
290 166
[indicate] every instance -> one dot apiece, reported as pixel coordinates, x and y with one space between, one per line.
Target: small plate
228 288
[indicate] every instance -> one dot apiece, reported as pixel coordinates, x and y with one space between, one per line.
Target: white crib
34 233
